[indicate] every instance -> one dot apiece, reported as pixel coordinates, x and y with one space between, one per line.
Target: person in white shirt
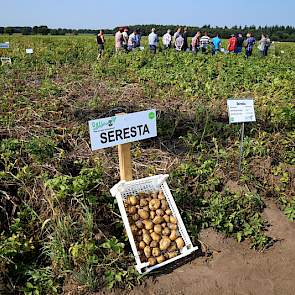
176 34
204 42
153 41
132 41
167 40
179 42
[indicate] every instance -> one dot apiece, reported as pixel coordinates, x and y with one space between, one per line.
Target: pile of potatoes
154 228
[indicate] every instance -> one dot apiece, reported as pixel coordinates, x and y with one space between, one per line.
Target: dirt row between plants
233 268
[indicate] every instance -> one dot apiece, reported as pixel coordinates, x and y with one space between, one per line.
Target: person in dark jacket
185 41
100 43
240 43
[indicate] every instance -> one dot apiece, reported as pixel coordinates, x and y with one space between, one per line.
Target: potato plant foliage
59 225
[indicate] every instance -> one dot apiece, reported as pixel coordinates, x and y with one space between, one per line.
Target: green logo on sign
152 115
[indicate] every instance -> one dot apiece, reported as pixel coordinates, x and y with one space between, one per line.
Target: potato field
60 229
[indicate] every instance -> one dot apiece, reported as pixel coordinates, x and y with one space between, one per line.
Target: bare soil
233 268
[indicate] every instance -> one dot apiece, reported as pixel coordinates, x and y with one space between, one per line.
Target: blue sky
110 13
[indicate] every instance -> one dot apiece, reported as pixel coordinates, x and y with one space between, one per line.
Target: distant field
60 229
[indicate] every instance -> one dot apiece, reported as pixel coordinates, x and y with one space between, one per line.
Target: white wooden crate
123 189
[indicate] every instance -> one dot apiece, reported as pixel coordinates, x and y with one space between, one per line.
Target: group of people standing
179 41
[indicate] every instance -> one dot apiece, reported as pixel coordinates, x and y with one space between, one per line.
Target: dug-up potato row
154 227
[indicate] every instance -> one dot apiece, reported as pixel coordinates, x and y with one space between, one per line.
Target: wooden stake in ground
125 161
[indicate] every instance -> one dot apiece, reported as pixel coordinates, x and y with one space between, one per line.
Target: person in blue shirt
137 38
216 42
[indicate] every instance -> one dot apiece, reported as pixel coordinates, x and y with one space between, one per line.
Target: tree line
276 33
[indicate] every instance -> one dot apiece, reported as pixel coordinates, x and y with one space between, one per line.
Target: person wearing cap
167 40
232 44
153 41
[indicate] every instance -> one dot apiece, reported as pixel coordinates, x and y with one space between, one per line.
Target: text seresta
125 133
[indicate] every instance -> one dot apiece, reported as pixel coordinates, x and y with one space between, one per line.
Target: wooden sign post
125 163
120 130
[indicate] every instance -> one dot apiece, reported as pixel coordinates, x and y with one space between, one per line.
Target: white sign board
5 60
29 50
122 129
4 45
241 110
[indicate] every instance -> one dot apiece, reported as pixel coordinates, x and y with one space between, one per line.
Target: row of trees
276 33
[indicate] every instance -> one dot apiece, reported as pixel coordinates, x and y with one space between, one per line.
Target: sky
91 14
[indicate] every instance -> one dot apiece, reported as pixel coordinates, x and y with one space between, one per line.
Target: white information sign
122 129
4 45
241 110
5 60
29 50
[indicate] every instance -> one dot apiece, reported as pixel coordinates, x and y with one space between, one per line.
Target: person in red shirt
232 44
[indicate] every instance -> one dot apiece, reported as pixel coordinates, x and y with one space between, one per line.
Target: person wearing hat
232 44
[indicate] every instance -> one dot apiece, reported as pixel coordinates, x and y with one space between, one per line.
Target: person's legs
153 49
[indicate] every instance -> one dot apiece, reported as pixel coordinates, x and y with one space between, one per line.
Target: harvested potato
135 217
154 204
172 226
147 252
164 243
156 252
172 254
134 228
172 248
173 220
141 245
143 202
148 224
180 243
166 231
154 244
144 231
166 218
155 237
133 200
173 236
132 209
146 238
146 208
143 214
164 205
168 212
164 224
158 220
161 196
152 261
139 224
160 259
160 212
152 214
158 228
